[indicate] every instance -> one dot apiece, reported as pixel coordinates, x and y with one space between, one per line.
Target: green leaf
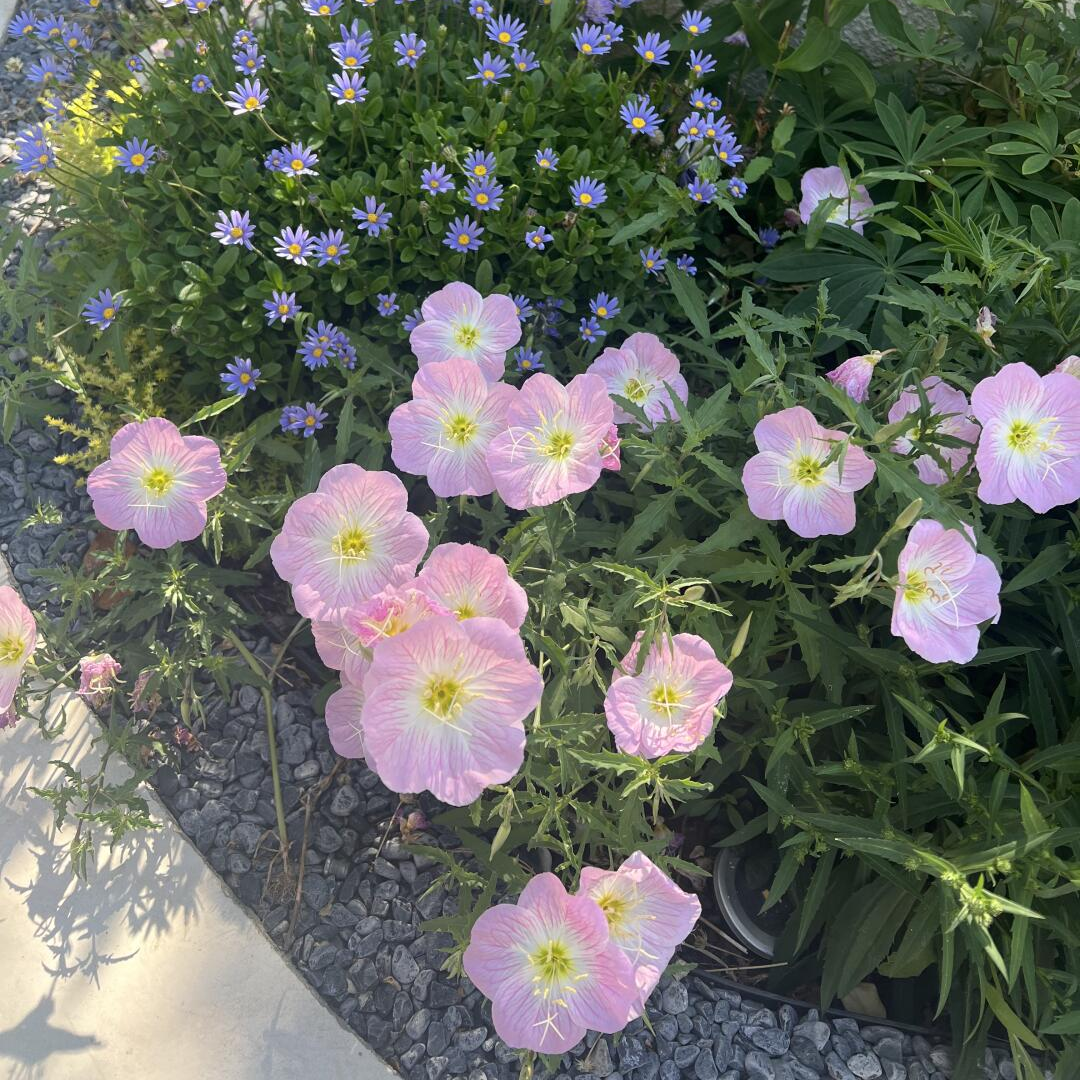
640 225
1046 564
818 46
691 300
215 408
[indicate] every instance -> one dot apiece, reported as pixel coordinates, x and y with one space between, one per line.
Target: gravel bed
356 935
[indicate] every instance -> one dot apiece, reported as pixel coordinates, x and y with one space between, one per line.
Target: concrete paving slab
150 969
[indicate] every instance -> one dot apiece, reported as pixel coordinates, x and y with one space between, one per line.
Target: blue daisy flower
239 377
136 156
374 219
101 311
463 235
587 192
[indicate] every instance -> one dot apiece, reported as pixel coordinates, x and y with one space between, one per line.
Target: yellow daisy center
586 47
245 377
108 313
294 249
638 122
482 198
251 102
504 37
350 93
584 198
602 312
649 54
463 239
236 232
137 159
489 74
297 164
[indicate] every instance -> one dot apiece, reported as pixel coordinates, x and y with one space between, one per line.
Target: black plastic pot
741 879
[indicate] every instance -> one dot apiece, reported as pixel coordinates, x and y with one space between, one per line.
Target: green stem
271 732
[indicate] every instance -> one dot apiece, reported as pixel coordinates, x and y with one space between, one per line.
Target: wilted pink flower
1070 366
1030 443
945 590
648 917
830 182
344 709
669 705
790 479
551 447
185 738
550 968
461 324
345 541
854 374
392 611
339 648
949 412
8 717
985 323
445 707
18 637
156 482
610 457
470 582
97 678
445 431
638 371
140 700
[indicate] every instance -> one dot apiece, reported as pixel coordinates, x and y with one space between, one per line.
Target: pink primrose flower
445 707
1030 444
640 370
669 705
445 431
156 482
18 638
791 481
830 182
951 407
460 324
470 582
550 968
345 541
648 917
551 447
945 590
854 374
1070 365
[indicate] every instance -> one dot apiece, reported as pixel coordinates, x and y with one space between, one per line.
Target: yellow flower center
586 47
482 198
108 313
460 430
552 962
463 239
636 390
538 240
584 198
692 28
466 335
649 264
442 697
1022 436
251 102
465 611
350 93
43 158
350 61
504 37
544 163
665 699
137 159
489 74
410 52
236 232
916 587
245 378
297 164
331 249
351 543
158 481
807 471
480 170
558 445
649 54
324 9
722 155
294 249
638 122
283 309
11 649
615 908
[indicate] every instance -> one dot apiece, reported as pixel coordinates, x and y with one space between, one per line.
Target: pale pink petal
765 479
819 511
343 712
